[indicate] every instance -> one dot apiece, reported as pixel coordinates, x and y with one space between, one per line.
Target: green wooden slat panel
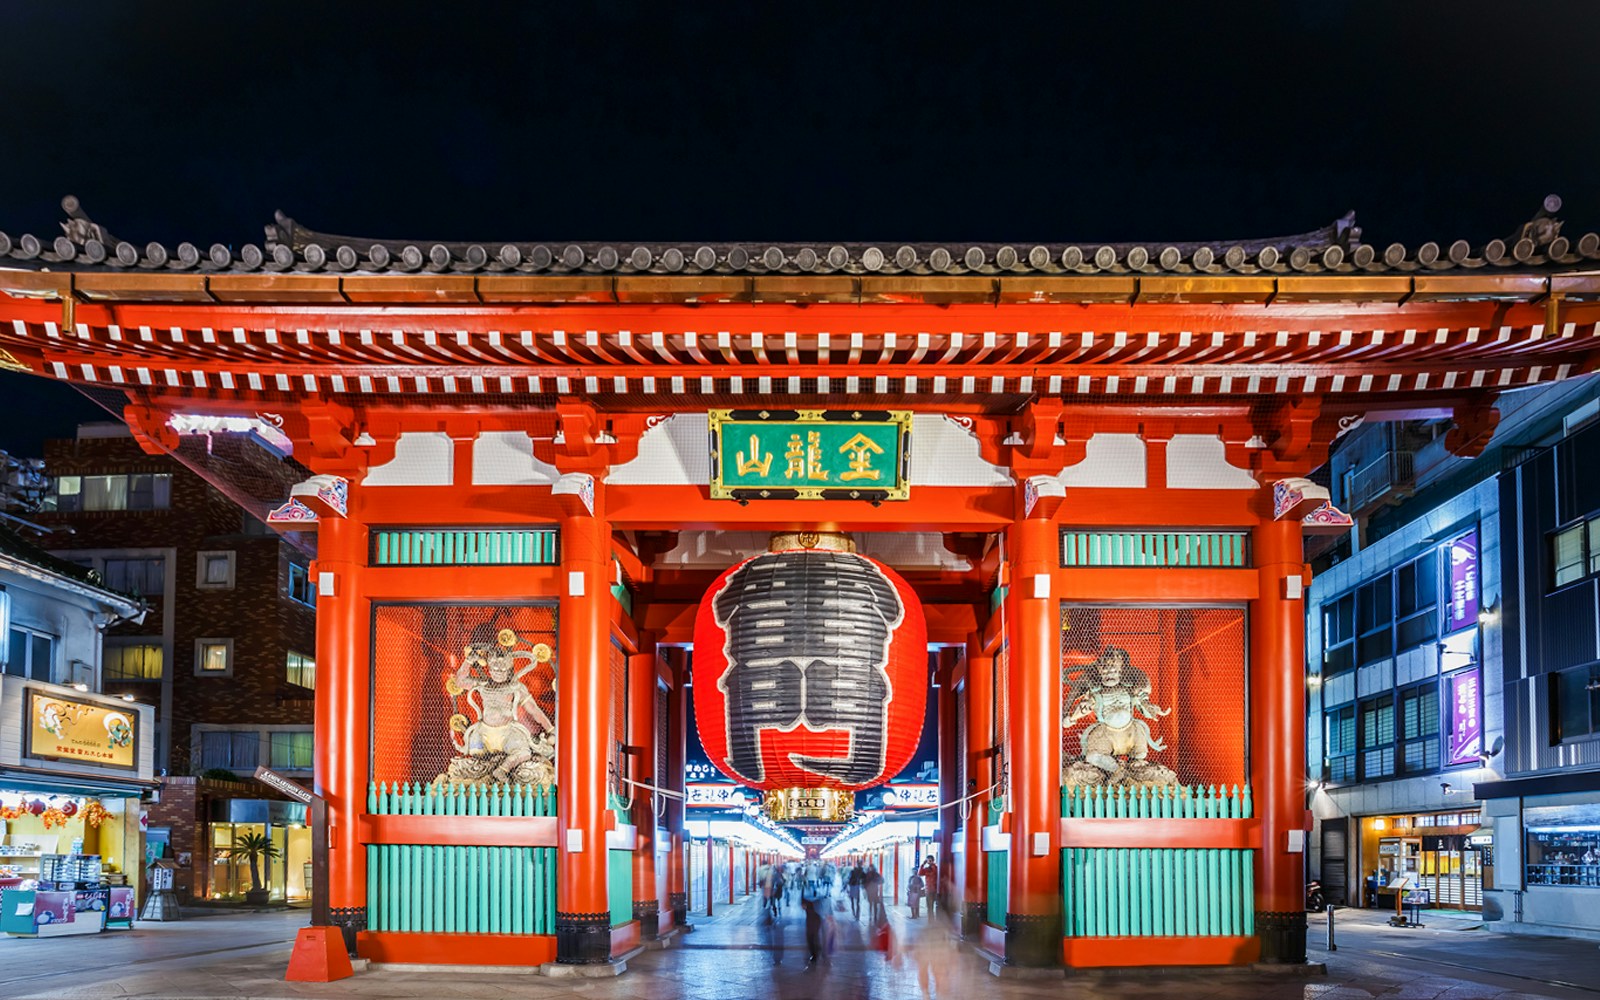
620 871
462 547
1193 550
999 886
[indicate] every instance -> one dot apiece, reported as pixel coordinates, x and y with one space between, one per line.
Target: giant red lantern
810 670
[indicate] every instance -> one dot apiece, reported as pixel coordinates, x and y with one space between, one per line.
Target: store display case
68 897
1563 846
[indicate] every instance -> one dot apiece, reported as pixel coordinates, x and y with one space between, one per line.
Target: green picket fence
1181 802
1152 892
459 888
1188 550
464 547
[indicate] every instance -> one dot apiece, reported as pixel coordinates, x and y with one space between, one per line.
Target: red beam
1104 952
478 831
1107 832
456 949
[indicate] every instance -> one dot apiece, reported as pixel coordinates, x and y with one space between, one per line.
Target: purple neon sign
1466 723
1461 607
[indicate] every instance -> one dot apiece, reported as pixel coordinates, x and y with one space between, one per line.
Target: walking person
873 883
813 912
930 881
852 885
914 887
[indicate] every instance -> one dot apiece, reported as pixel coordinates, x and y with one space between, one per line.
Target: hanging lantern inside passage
810 670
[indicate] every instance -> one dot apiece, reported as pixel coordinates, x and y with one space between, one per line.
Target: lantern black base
648 913
583 938
972 920
680 908
1283 937
1033 940
349 920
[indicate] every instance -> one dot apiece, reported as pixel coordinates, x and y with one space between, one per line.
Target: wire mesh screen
1002 724
1152 697
619 721
464 692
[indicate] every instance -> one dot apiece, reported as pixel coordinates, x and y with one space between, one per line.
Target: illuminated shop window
1575 552
123 492
290 750
213 657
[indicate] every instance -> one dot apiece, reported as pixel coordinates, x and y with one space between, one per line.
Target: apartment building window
214 570
1575 703
145 576
1375 620
1419 728
1339 635
300 587
1339 739
1377 737
1575 551
30 654
1416 601
291 749
213 657
123 492
302 670
229 749
132 662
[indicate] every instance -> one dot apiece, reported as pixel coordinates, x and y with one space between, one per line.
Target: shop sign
719 795
278 783
64 729
1466 722
810 454
1461 607
920 796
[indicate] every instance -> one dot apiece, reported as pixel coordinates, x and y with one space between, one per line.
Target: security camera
1446 786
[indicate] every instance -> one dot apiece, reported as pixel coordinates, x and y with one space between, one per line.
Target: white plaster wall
505 458
1200 462
420 459
1109 460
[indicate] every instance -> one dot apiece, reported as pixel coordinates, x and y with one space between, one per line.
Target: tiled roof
14 545
1337 248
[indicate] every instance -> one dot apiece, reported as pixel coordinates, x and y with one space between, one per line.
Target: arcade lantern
810 673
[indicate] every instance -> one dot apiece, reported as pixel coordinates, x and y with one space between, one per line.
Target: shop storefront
1435 852
235 829
72 855
1544 832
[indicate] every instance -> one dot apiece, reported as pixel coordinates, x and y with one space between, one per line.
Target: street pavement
737 955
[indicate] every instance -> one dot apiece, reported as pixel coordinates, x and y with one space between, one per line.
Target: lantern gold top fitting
827 541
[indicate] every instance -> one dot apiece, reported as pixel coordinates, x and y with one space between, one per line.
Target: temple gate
514 462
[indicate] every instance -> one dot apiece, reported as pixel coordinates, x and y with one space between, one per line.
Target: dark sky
703 121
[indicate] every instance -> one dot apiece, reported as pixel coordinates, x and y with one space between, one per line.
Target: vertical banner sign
1461 609
1466 724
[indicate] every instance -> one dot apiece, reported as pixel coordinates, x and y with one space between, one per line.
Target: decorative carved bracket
1042 496
1326 520
575 492
327 496
292 515
149 427
1295 497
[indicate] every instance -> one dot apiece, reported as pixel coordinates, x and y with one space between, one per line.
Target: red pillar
979 694
642 683
583 917
1278 740
944 892
340 714
677 749
1033 912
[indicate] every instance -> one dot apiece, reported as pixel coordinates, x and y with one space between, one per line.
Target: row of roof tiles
289 247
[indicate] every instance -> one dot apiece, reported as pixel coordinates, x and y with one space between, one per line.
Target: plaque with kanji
810 454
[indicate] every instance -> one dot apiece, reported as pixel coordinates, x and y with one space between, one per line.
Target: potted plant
254 847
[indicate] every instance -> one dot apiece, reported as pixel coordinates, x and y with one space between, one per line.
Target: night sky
706 122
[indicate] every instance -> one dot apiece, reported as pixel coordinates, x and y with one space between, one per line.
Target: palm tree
254 847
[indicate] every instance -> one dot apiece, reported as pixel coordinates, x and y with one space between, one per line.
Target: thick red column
677 752
1033 911
949 739
583 917
979 695
1278 740
642 739
341 714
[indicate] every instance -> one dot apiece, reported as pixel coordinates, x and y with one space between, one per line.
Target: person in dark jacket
852 885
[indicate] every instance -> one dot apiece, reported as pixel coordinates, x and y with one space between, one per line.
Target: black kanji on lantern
808 636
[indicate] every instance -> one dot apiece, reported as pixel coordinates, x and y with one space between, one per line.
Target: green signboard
810 454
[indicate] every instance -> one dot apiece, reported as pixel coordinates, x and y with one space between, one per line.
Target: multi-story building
1542 819
226 652
1407 635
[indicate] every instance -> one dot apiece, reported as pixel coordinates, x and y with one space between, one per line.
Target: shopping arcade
1190 363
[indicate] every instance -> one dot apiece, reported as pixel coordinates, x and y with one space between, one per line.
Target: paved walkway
737 955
